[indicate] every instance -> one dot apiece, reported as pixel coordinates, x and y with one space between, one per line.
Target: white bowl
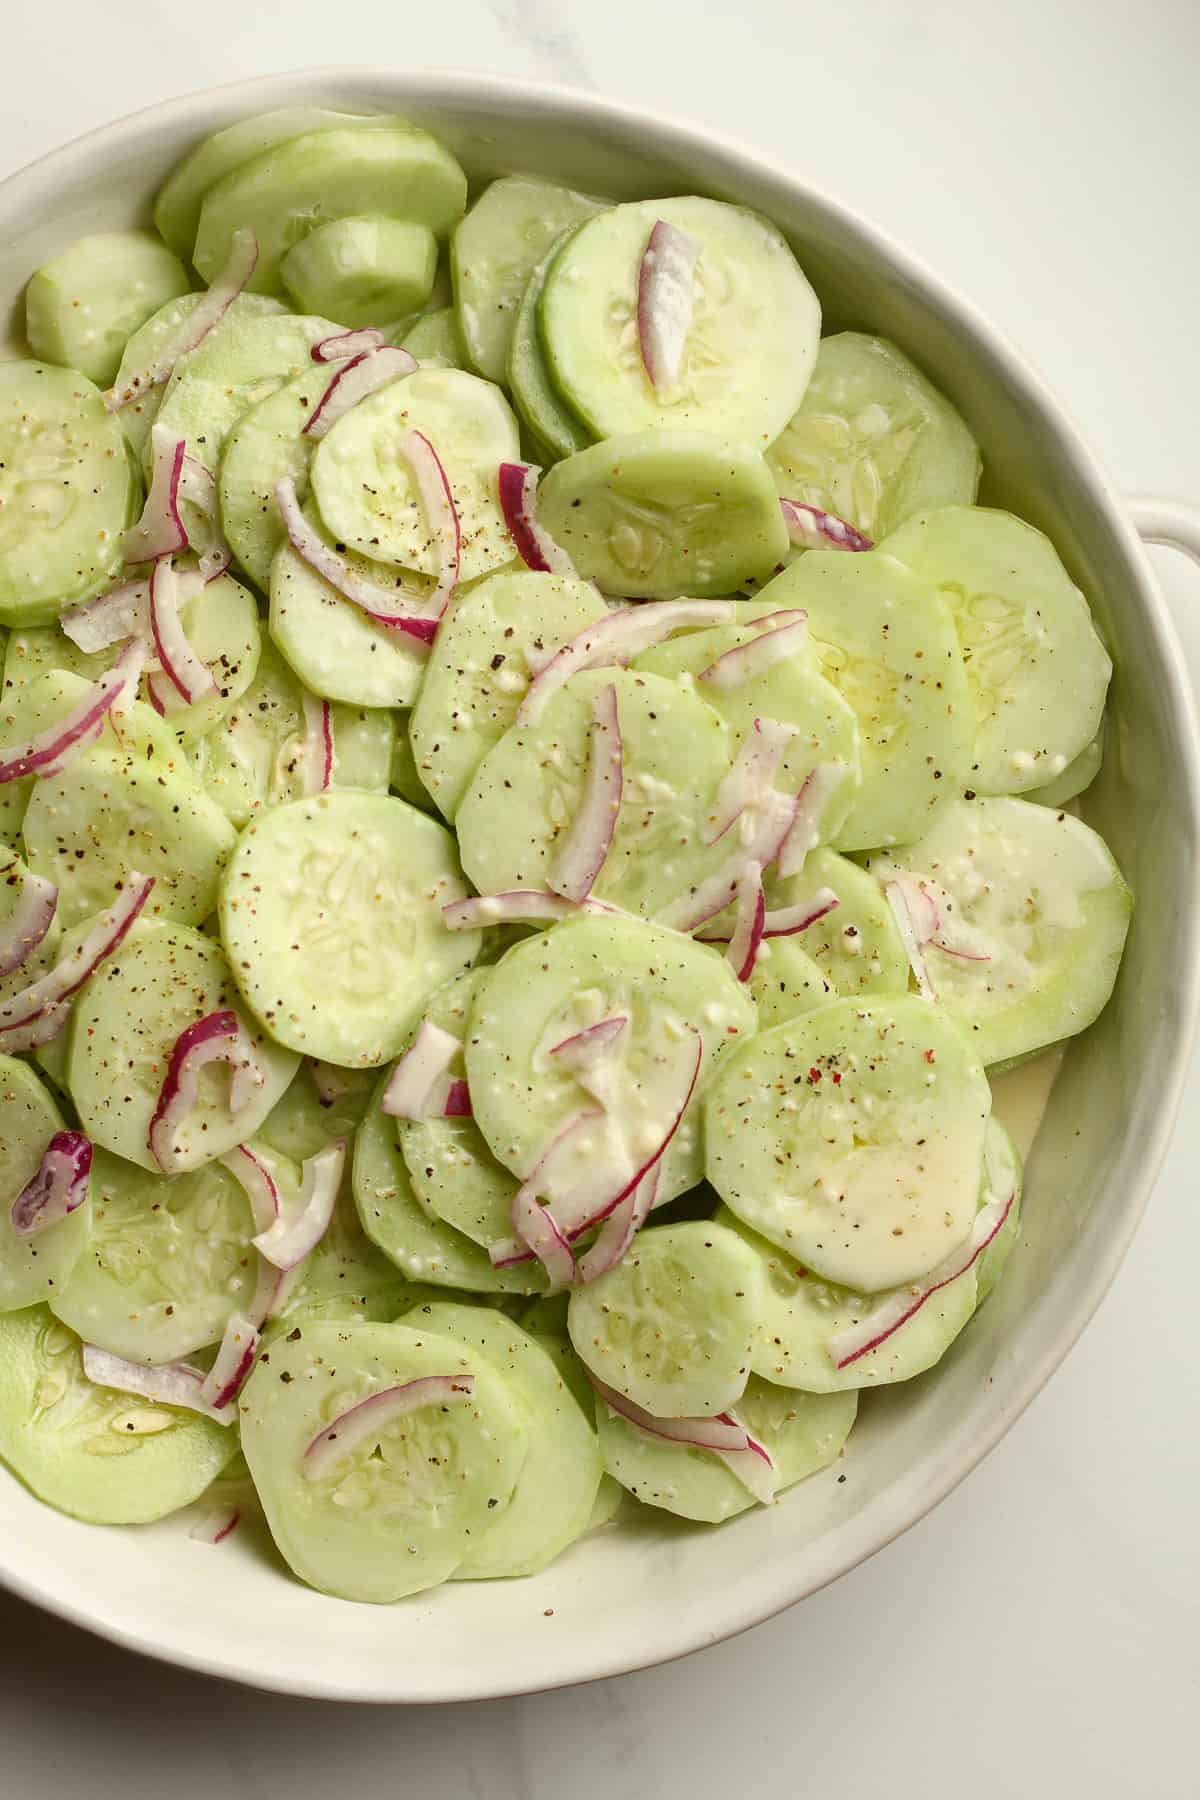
639 1595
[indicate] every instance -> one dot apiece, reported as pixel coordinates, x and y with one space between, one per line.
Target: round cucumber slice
421 1247
1041 893
342 894
1002 1175
1078 775
402 1510
128 1017
32 1268
303 1123
804 1433
785 982
106 1457
1037 670
82 307
556 1489
852 1137
64 492
675 751
543 411
857 947
333 646
168 1262
286 191
556 984
656 514
265 445
365 491
404 780
672 1325
364 270
873 441
143 348
221 624
886 640
436 340
751 344
494 251
478 670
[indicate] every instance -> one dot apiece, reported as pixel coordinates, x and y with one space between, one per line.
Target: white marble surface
1038 1634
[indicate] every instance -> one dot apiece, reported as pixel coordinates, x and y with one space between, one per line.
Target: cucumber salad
535 804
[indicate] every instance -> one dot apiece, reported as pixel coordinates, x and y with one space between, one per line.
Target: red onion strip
621 1227
590 838
812 801
360 1423
42 1003
198 486
615 639
537 1227
441 516
585 1047
897 898
811 529
49 752
933 913
760 845
355 380
239 1347
160 531
845 1347
759 654
183 668
387 606
211 309
557 1171
216 1525
345 345
786 921
123 612
666 298
414 1091
215 1038
318 744
59 1186
29 920
458 1101
751 777
167 1384
257 1182
517 485
751 913
289 1240
723 1435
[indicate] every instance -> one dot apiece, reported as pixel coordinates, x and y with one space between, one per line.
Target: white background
1039 1634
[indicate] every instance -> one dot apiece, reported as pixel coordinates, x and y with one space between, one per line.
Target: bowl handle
1175 523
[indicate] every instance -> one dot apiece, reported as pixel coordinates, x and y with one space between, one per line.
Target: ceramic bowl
639 1594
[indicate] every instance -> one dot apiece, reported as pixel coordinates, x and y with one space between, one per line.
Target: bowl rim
919 1489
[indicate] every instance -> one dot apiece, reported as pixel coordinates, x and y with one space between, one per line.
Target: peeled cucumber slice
436 340
857 947
265 444
333 646
303 1123
82 307
145 344
543 410
39 1267
364 270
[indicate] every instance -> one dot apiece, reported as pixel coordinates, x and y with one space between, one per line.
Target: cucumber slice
672 1325
454 1175
366 494
346 1276
64 492
254 760
145 344
656 514
128 1017
1041 893
333 646
675 753
750 347
401 1511
303 1124
343 894
885 638
421 1247
853 1138
542 409
32 1268
1037 670
1002 1175
285 191
873 440
786 982
494 251
556 1489
804 1433
264 445
177 205
169 1261
82 307
478 670
221 624
105 1457
1078 775
404 780
567 978
365 270
436 340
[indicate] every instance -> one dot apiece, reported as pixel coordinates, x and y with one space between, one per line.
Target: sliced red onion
331 1082
666 298
51 750
218 1037
458 1101
190 677
814 797
589 840
749 921
344 345
441 516
38 1012
59 1186
256 1180
248 1076
811 529
521 906
216 1525
387 606
751 778
724 1435
934 914
517 484
198 486
897 898
160 531
783 636
614 640
417 1087
123 612
192 331
167 1384
233 1362
537 1228
358 1424
318 744
765 830
354 380
29 921
845 1347
289 1240
583 1048
557 1173
621 1227
786 921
